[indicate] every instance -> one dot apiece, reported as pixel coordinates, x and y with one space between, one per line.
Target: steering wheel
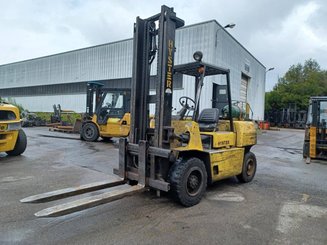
184 102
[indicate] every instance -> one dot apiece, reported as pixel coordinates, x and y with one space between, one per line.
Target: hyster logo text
169 76
224 142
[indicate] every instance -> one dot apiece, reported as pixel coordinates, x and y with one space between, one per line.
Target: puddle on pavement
227 197
12 179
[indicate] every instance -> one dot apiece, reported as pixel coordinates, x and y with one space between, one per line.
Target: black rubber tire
20 145
181 173
90 132
81 136
305 151
248 171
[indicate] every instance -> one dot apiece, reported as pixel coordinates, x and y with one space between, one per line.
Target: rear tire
188 181
20 145
90 132
249 168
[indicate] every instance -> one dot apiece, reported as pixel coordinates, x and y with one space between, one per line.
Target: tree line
298 84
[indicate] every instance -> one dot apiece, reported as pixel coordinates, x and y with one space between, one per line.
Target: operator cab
319 111
214 126
106 103
209 117
113 104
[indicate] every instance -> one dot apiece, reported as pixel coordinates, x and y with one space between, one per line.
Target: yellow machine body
115 127
225 151
313 142
9 127
226 163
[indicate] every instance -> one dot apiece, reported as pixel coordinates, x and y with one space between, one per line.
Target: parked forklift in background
13 139
57 117
109 116
181 154
315 140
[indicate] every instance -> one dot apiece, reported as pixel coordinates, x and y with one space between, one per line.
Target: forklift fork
107 196
84 203
142 150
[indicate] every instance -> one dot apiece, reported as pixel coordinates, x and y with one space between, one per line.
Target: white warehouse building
40 83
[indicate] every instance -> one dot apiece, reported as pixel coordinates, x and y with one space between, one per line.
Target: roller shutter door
244 89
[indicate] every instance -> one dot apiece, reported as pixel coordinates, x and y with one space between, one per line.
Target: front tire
20 145
90 132
188 181
249 168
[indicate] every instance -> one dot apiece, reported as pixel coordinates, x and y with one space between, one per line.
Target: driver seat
208 119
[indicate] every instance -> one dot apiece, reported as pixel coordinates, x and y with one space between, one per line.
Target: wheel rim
89 132
194 182
250 168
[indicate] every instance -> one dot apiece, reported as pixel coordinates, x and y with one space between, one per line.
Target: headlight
3 126
197 56
14 126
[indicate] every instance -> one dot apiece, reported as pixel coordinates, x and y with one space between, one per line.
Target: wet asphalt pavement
286 203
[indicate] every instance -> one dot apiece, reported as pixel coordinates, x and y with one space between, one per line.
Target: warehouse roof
129 39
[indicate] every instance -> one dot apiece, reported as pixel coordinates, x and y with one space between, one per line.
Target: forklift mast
91 89
153 37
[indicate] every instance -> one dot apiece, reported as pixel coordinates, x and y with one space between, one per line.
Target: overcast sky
279 33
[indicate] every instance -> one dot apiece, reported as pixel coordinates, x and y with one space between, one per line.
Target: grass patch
65 117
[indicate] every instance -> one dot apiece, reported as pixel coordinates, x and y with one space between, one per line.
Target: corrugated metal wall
230 54
114 61
109 61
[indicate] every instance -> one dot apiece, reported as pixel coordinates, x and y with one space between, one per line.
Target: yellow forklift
12 138
181 154
109 116
315 140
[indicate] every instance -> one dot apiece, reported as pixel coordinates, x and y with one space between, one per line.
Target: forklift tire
20 145
90 132
305 151
188 181
249 168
